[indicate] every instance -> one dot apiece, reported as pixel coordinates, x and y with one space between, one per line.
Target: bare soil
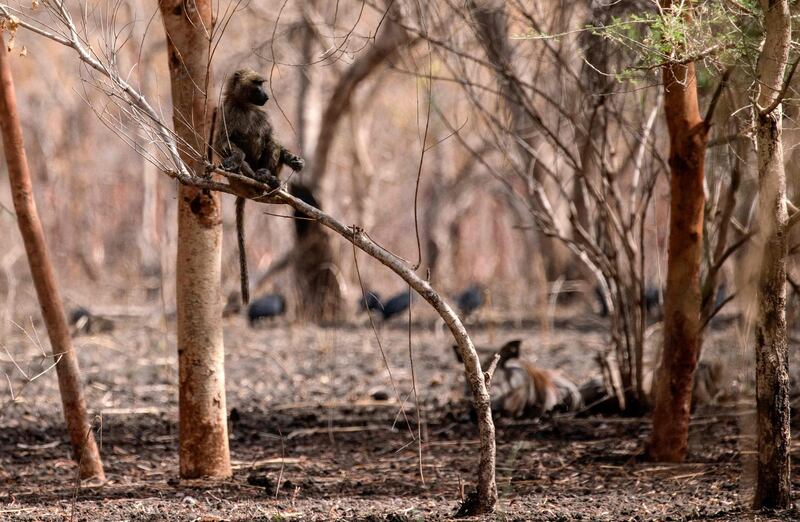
319 431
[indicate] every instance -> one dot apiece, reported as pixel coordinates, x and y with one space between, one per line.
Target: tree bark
84 447
772 356
315 272
203 440
688 139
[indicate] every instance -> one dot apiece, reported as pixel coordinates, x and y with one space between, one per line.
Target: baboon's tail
242 253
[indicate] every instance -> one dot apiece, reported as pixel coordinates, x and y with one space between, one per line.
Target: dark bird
83 321
79 314
396 305
470 300
270 305
370 301
652 301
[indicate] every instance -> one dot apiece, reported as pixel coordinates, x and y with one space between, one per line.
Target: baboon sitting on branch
245 143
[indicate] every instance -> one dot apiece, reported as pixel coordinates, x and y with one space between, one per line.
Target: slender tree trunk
203 442
315 271
84 447
688 139
772 356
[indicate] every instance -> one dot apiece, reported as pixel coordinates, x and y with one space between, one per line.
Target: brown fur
245 143
521 389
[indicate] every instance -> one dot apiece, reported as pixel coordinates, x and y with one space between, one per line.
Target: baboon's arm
295 162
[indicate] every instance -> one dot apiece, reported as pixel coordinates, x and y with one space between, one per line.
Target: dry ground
311 438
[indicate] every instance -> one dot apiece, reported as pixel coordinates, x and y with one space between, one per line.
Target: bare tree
84 447
772 355
314 269
491 25
550 146
201 356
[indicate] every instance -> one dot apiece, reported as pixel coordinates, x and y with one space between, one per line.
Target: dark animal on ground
396 305
268 306
82 321
652 301
244 141
470 300
370 300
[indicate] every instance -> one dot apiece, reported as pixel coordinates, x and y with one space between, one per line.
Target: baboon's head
246 86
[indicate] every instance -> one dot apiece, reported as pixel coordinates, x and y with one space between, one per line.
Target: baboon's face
254 88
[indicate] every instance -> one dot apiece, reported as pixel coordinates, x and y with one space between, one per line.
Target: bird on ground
266 307
83 321
370 300
396 305
470 300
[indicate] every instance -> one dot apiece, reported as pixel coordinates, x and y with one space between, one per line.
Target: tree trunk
315 272
203 441
688 135
391 38
84 447
772 356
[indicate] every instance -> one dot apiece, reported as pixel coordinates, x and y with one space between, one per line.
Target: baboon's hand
296 163
231 163
265 176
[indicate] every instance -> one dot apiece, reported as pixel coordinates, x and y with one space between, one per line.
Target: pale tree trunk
84 447
688 139
772 356
203 441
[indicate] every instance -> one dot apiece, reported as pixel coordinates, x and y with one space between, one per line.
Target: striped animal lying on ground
521 390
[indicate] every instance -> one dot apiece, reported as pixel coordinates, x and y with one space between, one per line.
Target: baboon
244 141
